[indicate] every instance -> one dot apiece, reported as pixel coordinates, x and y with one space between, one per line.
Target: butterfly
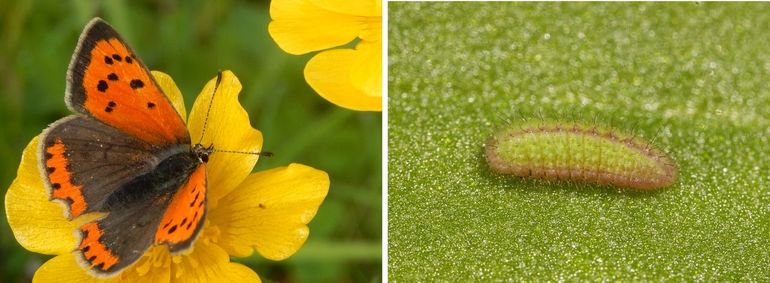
125 153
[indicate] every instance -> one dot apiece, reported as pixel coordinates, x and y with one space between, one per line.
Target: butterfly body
127 154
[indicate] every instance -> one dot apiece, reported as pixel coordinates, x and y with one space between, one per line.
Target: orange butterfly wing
108 82
185 214
62 187
94 253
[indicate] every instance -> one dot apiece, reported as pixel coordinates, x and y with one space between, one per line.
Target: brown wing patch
121 93
94 252
58 172
184 216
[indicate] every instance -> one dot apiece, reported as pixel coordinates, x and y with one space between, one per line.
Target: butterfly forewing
106 80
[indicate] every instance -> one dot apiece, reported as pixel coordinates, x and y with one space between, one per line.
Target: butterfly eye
202 153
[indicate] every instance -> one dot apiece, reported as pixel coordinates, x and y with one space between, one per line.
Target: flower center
158 259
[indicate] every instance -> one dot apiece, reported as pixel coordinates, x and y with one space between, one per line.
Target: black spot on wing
136 84
102 86
100 266
110 106
195 199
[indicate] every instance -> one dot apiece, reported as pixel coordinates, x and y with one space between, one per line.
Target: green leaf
691 76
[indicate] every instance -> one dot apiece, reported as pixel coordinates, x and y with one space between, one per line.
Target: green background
191 40
692 76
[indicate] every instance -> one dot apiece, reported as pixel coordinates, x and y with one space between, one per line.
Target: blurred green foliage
691 76
191 40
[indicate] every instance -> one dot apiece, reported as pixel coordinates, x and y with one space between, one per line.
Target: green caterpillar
576 152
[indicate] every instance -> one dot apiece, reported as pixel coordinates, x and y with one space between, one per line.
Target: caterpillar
572 151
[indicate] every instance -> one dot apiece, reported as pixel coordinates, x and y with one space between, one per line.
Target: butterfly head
203 152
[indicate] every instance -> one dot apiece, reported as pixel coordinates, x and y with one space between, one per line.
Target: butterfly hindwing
85 161
113 243
107 81
185 215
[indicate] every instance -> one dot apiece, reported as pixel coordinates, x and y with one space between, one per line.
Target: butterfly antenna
211 102
260 153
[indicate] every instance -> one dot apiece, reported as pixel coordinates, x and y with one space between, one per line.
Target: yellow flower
266 211
351 78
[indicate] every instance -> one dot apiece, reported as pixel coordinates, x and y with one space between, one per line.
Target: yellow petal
270 211
228 128
366 72
64 268
370 12
299 26
330 74
38 224
210 263
172 92
370 8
